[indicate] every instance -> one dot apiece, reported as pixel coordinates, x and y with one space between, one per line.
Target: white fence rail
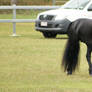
29 7
14 20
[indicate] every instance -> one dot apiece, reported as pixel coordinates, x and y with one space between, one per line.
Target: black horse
79 30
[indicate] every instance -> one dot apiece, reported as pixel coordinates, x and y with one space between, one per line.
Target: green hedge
27 2
31 2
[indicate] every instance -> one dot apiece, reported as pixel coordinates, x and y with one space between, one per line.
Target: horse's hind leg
88 56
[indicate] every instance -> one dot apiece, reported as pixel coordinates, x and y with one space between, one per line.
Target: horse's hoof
69 73
90 72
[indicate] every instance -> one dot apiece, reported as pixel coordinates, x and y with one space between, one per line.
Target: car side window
90 8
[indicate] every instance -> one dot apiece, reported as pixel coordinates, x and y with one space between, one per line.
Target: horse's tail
70 58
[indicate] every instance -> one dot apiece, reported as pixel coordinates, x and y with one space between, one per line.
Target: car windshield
76 4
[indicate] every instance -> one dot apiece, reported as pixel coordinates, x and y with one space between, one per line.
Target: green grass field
31 63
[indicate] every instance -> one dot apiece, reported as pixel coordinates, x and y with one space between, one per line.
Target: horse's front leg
88 56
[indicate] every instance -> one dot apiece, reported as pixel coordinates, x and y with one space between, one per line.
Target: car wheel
49 35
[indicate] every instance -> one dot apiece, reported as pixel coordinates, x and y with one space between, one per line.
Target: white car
53 22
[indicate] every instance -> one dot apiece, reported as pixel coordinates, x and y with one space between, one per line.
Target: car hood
71 14
58 11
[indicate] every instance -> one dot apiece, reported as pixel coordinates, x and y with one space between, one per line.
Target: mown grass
31 63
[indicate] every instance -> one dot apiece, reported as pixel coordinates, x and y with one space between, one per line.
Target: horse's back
83 29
